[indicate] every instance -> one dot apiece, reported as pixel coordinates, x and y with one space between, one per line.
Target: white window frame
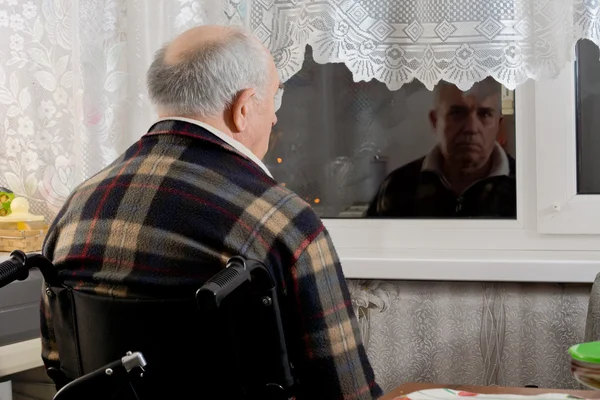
486 250
561 210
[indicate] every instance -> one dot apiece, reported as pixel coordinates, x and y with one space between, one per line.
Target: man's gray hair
205 81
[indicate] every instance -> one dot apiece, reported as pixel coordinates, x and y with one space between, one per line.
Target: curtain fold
72 86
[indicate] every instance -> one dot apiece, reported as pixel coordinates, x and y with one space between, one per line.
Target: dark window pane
356 149
588 118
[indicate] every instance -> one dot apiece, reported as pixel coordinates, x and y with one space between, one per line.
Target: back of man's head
201 71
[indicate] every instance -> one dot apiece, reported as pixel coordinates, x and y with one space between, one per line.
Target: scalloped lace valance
396 41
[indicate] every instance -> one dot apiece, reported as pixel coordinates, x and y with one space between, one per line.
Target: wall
471 333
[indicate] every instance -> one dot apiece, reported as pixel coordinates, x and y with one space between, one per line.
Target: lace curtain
72 90
72 86
459 41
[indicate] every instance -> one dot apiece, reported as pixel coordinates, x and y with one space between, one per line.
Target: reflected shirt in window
420 190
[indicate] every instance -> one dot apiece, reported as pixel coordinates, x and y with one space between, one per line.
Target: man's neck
460 178
217 122
224 136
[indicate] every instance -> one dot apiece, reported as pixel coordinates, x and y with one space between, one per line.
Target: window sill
471 265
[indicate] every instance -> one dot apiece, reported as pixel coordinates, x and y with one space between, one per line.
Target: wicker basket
22 240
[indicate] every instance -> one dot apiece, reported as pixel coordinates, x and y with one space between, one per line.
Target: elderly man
193 192
467 174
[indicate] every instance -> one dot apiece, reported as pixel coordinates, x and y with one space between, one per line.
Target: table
407 388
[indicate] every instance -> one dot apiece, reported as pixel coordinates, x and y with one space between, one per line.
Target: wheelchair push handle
13 269
17 267
236 273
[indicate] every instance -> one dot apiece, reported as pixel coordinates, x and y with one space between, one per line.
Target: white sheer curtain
72 90
72 86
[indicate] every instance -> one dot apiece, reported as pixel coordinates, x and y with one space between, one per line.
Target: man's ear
240 109
433 119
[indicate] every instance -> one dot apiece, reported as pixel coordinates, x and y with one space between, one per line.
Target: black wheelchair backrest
226 342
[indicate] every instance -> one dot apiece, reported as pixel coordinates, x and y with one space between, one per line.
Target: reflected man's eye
485 114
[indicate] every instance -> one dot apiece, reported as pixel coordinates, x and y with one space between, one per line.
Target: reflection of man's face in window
467 123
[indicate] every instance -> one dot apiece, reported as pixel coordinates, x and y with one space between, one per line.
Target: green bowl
588 352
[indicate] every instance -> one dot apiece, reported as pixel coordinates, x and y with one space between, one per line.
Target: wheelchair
225 341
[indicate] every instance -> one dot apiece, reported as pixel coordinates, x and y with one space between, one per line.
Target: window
588 118
568 146
357 149
333 131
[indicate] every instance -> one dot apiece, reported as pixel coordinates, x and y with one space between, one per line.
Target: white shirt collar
226 138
